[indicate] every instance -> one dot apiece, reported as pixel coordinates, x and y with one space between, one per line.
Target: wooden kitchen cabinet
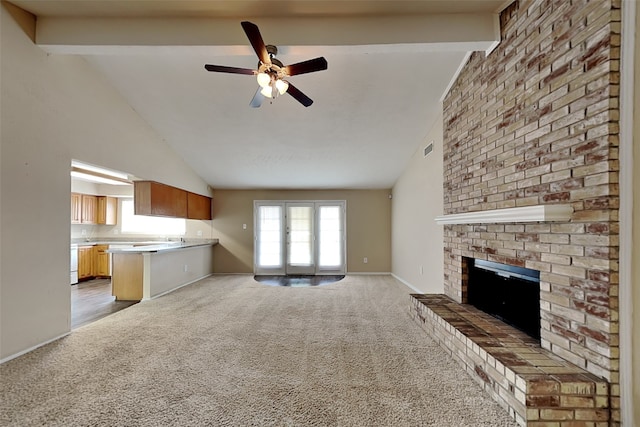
89 209
156 199
76 208
198 207
85 262
107 210
128 277
101 261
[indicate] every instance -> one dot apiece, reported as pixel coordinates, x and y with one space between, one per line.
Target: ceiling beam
460 32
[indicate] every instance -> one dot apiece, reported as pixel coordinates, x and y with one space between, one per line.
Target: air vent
428 149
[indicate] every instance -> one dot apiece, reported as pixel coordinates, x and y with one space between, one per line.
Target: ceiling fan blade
257 99
232 70
253 34
316 64
299 96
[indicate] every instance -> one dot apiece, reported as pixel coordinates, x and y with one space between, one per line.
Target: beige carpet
230 351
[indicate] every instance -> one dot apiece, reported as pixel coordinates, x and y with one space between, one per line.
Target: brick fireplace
535 123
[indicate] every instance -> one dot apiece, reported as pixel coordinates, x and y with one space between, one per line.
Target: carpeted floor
228 351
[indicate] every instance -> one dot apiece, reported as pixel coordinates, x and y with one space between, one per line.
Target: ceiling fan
271 73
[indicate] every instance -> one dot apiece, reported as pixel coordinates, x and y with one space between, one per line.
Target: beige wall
635 257
368 226
56 108
417 245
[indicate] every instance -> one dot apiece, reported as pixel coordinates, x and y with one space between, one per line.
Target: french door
299 237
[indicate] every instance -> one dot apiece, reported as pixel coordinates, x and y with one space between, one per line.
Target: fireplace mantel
538 213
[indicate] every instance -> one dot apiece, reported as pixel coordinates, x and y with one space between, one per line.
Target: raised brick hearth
535 386
534 123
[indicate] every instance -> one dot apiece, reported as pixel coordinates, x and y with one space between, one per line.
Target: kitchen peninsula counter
161 246
150 270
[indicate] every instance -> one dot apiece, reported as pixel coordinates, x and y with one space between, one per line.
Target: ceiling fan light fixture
282 86
264 79
267 91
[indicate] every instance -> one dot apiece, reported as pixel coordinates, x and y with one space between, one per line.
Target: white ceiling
372 107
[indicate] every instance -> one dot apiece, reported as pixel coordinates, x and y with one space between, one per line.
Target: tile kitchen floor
92 300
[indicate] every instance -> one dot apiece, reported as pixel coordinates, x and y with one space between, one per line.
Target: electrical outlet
365 260
185 268
84 232
199 233
244 226
115 231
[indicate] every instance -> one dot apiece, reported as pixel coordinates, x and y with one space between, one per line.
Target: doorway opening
299 238
97 196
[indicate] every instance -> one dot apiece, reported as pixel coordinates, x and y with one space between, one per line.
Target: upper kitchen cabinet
156 199
198 207
107 210
89 209
76 208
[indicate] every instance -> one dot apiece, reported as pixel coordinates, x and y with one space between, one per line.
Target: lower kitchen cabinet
93 261
85 262
102 261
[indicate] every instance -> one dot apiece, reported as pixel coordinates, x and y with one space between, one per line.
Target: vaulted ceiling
390 62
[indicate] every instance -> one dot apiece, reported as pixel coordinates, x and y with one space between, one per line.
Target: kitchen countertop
159 246
84 242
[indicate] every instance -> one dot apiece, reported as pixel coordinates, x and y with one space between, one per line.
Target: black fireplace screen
512 294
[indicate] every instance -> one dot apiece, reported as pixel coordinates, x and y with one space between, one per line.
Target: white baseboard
177 287
232 274
13 356
365 273
409 285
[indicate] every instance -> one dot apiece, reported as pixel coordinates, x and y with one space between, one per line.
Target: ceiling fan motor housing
271 50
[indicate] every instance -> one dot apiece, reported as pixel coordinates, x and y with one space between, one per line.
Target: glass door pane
330 235
269 239
331 238
300 237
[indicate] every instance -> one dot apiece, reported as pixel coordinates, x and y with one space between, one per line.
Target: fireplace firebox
509 293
